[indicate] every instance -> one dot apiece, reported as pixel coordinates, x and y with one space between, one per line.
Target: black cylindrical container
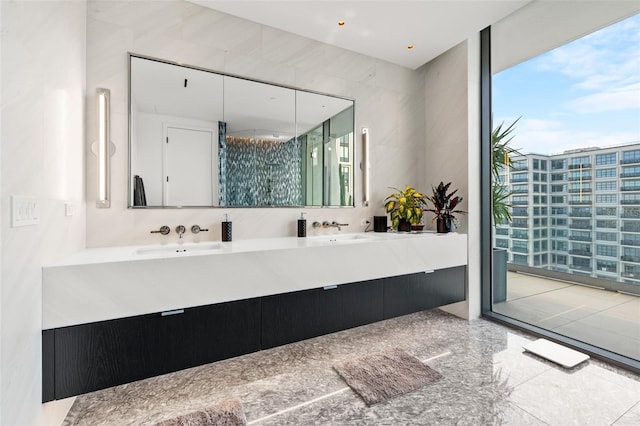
302 228
226 231
380 224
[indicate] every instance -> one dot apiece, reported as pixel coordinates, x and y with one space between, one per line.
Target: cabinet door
94 356
407 294
411 293
98 355
291 317
207 334
449 285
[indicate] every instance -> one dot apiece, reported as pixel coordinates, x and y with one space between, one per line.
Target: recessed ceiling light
410 46
341 23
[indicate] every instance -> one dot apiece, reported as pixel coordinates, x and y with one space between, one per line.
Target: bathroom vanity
116 315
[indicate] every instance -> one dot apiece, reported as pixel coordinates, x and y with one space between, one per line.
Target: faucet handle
334 223
164 230
317 224
196 228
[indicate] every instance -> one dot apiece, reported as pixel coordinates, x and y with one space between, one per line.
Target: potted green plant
444 206
405 208
501 153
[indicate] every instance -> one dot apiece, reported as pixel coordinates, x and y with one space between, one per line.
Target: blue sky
583 94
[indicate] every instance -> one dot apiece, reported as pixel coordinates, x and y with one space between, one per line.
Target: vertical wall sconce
365 167
103 149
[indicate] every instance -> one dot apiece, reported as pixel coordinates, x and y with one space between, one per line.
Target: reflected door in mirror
190 167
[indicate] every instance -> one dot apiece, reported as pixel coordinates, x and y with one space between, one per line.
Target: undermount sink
179 248
338 239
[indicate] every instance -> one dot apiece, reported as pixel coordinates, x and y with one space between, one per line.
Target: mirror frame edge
130 205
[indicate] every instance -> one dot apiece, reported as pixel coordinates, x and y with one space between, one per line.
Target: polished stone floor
602 318
487 379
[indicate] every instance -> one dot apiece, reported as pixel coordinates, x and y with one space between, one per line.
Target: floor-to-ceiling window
566 131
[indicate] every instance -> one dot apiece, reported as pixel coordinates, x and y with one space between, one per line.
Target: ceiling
381 29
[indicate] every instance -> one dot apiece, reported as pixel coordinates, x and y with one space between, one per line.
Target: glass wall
572 175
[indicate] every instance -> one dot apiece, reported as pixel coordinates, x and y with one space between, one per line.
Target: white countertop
107 283
179 249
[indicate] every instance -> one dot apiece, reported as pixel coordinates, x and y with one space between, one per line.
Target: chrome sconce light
365 167
102 148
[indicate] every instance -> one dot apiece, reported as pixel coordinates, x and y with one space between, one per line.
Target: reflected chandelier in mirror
199 138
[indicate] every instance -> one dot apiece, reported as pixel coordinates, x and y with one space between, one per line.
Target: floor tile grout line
625 413
320 398
531 414
561 313
536 294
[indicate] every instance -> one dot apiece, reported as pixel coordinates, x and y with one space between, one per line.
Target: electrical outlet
24 211
364 221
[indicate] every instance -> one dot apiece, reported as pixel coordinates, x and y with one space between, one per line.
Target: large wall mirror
198 138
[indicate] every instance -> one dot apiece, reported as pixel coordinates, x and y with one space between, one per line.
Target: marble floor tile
630 418
582 396
487 379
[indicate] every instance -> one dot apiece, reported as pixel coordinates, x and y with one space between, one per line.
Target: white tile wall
42 140
388 98
453 147
447 118
45 138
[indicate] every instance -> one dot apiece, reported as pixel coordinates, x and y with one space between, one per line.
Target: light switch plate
69 209
24 211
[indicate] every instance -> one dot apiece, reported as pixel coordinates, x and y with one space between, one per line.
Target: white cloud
605 65
614 100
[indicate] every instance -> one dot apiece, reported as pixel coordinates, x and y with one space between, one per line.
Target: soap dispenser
302 226
226 229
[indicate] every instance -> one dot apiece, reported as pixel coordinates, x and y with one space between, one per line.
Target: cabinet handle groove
329 287
173 312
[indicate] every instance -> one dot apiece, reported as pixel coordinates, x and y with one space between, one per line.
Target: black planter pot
443 225
499 275
404 226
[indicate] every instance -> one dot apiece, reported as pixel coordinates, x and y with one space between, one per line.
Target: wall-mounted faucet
196 228
333 224
164 230
180 229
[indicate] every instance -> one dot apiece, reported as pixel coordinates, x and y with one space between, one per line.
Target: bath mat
225 413
379 377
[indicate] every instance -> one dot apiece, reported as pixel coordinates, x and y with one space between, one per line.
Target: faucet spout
333 224
338 225
180 230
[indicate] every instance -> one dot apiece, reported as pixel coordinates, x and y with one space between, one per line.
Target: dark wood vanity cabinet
94 356
300 315
87 357
416 292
